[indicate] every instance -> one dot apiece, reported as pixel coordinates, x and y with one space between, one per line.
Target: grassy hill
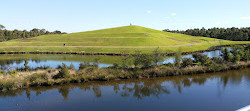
114 40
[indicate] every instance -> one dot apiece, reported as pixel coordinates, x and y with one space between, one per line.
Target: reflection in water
50 60
140 88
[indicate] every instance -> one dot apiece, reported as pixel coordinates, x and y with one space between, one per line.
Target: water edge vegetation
138 65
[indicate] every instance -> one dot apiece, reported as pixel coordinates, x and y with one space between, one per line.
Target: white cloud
244 18
173 14
149 11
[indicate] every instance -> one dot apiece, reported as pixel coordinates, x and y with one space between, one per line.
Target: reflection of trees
64 91
97 91
143 87
8 63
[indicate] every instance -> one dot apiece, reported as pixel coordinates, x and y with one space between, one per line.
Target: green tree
178 57
63 73
157 56
226 54
26 66
1 27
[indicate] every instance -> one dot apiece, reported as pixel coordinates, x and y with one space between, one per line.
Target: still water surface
224 91
53 60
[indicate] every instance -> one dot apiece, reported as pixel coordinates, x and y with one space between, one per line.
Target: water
50 60
224 91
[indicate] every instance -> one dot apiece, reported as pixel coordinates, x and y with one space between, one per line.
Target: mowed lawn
125 39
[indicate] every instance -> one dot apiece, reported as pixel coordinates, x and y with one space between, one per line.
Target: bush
71 66
178 57
187 62
202 59
12 72
157 56
2 72
36 76
115 66
246 56
236 58
143 60
84 65
217 60
63 73
226 55
26 67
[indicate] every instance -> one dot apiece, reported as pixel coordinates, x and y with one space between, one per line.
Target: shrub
36 76
157 56
71 66
84 65
177 57
246 56
12 72
187 62
143 60
236 58
217 60
2 72
81 66
126 61
226 54
202 59
26 67
115 66
63 73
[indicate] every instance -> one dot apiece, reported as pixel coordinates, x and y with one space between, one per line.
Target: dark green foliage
246 56
126 62
217 60
84 65
81 66
157 56
71 66
201 59
235 34
226 54
236 58
187 62
1 27
35 77
178 57
6 35
63 73
142 60
247 47
115 66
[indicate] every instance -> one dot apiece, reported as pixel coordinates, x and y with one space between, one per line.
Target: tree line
6 35
234 34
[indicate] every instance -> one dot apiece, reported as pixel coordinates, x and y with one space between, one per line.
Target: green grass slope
114 40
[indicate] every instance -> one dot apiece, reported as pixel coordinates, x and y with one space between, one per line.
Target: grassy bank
114 41
24 79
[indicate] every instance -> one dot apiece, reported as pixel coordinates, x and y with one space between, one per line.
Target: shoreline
44 77
118 54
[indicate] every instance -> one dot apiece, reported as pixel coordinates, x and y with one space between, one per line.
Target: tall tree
1 27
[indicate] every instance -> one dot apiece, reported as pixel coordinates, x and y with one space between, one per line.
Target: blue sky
84 15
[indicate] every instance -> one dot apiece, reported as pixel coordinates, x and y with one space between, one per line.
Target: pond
223 91
52 60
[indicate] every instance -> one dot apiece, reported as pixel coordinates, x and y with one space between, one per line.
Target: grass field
114 40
